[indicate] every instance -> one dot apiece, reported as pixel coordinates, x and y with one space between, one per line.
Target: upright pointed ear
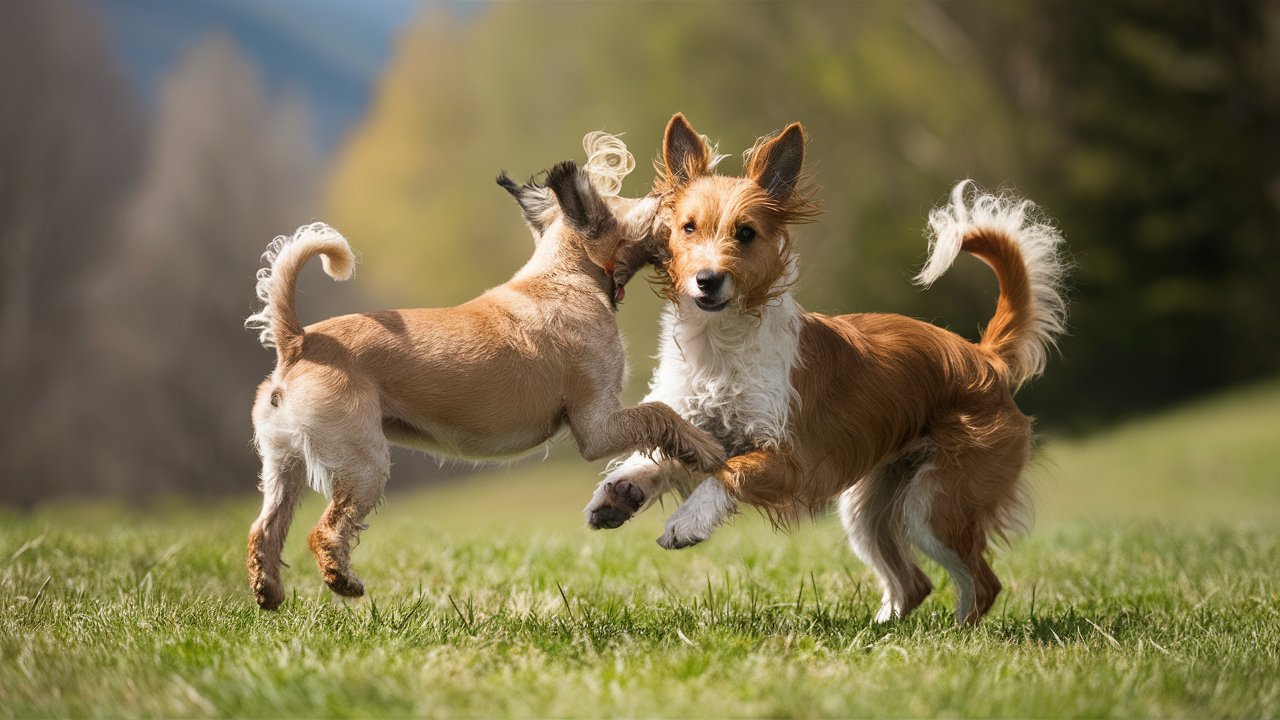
684 152
776 162
537 204
584 210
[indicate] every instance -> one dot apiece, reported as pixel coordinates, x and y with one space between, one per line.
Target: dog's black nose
709 281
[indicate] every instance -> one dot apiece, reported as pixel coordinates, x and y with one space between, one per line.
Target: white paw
694 521
682 533
888 612
597 500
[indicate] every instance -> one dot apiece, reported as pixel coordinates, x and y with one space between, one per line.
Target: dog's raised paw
615 504
678 539
344 584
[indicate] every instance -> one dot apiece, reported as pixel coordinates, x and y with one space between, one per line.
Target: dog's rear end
961 482
285 465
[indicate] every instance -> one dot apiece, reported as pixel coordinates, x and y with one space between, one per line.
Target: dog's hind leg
970 490
873 513
355 494
283 477
921 518
358 481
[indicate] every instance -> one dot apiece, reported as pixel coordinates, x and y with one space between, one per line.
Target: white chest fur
730 373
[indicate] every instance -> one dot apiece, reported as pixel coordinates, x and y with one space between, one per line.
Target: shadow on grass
745 619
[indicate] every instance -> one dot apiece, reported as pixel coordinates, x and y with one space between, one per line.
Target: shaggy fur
491 378
912 428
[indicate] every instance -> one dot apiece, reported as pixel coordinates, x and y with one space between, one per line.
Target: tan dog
491 378
913 428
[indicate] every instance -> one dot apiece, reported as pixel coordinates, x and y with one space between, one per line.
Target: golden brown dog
912 428
491 378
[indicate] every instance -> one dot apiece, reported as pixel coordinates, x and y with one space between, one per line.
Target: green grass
1149 588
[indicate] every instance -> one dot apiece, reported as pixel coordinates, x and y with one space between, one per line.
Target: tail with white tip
277 322
1025 251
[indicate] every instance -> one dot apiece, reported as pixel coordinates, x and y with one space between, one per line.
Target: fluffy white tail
277 323
1025 250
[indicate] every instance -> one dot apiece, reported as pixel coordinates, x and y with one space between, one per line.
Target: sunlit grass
1148 589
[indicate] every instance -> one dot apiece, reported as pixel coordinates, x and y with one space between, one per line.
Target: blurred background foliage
136 193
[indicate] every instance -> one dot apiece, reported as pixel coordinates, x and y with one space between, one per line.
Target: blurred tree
1161 159
70 140
227 169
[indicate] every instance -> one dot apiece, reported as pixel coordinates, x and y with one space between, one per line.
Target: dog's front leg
603 428
697 517
765 478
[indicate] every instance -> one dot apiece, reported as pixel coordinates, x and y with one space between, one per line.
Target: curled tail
277 323
1025 251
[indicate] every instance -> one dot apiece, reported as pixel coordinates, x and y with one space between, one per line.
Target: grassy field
1151 587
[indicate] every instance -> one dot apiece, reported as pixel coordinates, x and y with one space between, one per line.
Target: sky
328 52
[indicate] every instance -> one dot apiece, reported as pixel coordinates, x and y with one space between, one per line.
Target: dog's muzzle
712 290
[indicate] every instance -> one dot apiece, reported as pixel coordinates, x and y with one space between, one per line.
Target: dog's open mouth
708 306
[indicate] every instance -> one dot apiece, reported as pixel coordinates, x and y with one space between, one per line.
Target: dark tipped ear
776 163
582 206
684 152
536 202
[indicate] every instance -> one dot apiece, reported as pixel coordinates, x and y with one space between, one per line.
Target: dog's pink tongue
619 293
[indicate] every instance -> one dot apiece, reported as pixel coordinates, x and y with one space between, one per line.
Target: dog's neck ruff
729 373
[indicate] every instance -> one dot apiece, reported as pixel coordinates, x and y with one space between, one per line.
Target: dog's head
617 234
728 242
567 195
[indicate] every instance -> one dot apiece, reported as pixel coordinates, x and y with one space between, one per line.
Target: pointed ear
684 152
583 208
776 162
536 203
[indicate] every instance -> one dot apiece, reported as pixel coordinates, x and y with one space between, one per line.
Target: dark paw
620 501
344 584
269 595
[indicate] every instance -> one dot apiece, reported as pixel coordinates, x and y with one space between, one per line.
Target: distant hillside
1215 457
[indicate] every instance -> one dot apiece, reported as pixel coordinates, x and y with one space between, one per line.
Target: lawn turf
1150 587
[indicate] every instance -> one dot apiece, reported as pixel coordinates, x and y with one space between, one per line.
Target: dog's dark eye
688 228
744 234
